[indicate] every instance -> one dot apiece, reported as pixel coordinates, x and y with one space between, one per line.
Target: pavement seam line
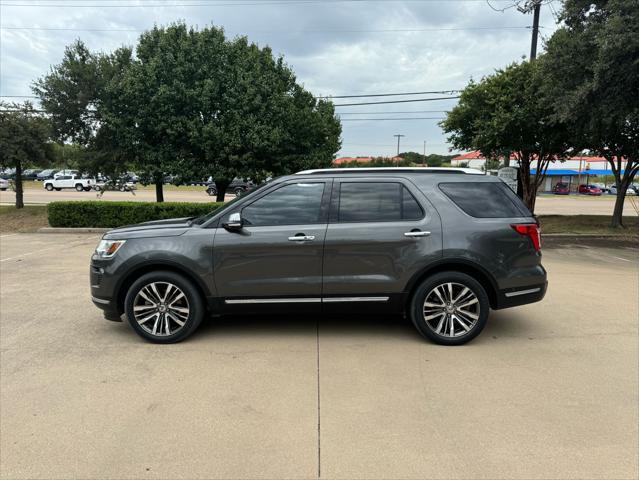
319 444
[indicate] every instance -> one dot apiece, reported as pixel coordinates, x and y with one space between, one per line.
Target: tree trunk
159 190
222 185
18 186
617 213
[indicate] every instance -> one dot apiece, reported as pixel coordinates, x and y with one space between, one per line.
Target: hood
170 227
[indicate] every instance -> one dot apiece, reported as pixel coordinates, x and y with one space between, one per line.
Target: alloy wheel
451 309
161 308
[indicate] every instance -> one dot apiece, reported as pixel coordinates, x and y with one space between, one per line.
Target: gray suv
442 246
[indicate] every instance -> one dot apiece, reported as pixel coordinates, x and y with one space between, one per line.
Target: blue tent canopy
558 172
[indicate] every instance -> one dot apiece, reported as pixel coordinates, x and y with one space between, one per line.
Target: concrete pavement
546 391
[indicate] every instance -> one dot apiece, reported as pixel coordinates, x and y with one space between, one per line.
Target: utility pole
535 7
398 137
424 157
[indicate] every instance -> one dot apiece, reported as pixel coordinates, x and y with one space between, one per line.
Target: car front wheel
48 187
163 307
450 308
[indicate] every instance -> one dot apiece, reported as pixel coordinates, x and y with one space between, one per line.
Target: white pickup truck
69 181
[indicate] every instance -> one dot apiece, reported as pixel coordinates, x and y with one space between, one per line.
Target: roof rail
468 171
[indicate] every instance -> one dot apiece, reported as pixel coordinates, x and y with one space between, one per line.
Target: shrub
116 214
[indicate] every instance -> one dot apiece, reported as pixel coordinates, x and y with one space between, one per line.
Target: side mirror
234 223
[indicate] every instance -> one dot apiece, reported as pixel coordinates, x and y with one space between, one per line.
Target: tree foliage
592 72
24 139
504 113
192 103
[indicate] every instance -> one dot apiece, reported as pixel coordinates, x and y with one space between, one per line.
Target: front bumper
101 296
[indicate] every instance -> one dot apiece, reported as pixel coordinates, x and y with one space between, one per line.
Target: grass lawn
587 224
27 219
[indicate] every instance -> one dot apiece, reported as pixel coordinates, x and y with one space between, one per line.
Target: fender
459 264
138 269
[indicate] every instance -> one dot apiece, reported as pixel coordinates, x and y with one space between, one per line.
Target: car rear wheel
163 307
79 187
211 191
450 308
48 187
238 191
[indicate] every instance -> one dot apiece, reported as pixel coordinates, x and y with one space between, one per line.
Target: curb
72 230
584 235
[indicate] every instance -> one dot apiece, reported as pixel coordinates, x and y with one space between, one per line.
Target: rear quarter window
485 199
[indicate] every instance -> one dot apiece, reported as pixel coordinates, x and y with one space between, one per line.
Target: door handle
416 234
302 238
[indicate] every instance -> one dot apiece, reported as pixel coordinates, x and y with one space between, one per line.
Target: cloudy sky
336 47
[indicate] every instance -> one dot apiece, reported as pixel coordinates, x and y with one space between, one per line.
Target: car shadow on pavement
307 325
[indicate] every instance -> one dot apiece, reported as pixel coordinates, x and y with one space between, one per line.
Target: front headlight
108 248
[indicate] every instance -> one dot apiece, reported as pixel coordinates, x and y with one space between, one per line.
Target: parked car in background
561 189
69 181
8 173
589 190
118 185
4 184
30 174
237 187
66 173
631 190
45 174
603 187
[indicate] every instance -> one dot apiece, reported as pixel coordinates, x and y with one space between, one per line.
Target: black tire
87 189
58 189
48 187
416 309
79 187
238 191
195 305
211 191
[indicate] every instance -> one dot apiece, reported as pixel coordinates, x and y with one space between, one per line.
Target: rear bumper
515 297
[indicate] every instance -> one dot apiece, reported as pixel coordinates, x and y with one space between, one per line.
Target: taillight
531 230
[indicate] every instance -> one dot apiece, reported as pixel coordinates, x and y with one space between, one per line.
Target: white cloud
334 48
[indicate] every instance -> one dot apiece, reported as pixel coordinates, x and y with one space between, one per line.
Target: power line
443 92
383 119
395 101
288 32
205 3
387 113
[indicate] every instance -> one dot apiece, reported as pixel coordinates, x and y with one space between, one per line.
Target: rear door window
485 199
376 202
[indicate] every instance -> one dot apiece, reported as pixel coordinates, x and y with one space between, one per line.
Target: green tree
504 112
592 67
196 103
73 93
24 139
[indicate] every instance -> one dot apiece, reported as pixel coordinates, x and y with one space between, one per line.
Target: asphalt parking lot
546 391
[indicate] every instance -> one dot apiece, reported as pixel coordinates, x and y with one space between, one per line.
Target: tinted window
293 204
485 200
376 202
